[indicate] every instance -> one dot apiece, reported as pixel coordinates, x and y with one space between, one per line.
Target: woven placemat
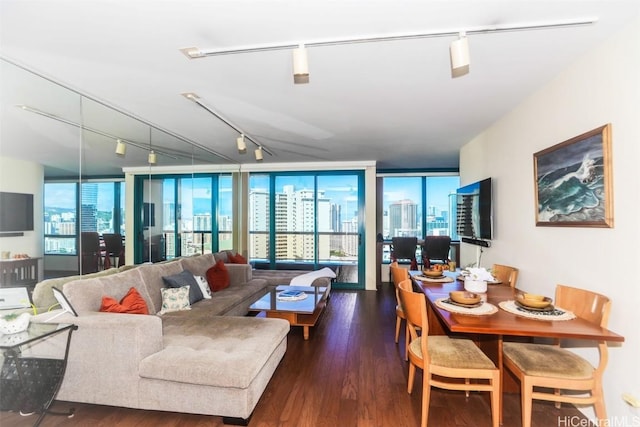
556 314
434 280
483 310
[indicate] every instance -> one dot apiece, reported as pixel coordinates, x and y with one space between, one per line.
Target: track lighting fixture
241 140
152 157
242 145
300 65
121 148
459 52
459 47
140 145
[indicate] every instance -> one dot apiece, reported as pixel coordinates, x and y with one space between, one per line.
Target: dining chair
441 357
113 248
505 274
90 251
436 248
546 369
398 274
404 248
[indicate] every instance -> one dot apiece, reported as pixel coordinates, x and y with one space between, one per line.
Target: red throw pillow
236 259
218 277
131 303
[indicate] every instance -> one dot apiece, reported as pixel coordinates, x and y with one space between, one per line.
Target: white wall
603 86
19 176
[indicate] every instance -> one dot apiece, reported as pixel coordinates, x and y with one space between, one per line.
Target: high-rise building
259 223
403 218
89 207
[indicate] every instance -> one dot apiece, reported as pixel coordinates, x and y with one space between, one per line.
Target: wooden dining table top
503 322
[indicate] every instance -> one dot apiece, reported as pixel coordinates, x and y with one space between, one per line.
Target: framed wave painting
573 183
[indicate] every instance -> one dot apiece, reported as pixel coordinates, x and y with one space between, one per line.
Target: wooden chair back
583 303
398 274
506 274
414 305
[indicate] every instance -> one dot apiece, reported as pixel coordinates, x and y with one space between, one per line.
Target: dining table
498 321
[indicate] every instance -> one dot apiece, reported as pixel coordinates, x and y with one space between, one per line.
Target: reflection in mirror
40 122
80 146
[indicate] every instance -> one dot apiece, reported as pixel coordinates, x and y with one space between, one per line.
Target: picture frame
573 182
63 301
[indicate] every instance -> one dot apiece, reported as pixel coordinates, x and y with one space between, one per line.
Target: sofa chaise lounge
210 359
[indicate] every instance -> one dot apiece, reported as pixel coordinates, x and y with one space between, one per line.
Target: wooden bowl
464 297
432 273
533 300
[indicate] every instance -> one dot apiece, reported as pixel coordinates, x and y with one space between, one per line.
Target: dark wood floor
350 373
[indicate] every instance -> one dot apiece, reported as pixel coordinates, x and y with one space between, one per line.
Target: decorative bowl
432 273
15 325
533 300
464 297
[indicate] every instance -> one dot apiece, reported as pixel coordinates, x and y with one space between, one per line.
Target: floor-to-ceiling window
60 218
308 219
183 215
96 206
418 206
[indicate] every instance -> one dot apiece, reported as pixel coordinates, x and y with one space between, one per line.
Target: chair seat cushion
453 353
543 360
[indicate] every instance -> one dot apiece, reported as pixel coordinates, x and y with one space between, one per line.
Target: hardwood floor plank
349 373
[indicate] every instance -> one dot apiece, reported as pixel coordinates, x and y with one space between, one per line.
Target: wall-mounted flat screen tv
474 210
16 212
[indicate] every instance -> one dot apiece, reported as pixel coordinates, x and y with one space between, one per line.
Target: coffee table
29 383
304 312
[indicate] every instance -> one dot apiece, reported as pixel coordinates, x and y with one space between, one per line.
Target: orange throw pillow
236 259
131 303
218 277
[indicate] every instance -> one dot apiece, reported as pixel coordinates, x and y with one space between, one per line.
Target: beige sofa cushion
283 277
85 295
152 275
198 264
43 294
226 351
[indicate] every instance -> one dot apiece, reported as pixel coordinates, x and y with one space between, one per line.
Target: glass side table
29 384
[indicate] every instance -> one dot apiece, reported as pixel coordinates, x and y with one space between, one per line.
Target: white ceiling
394 102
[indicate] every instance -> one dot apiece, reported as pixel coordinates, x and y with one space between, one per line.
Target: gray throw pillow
185 278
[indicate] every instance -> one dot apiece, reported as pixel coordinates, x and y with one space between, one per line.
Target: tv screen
16 212
474 210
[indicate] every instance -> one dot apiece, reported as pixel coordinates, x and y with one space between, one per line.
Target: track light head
121 148
300 65
242 145
258 154
459 52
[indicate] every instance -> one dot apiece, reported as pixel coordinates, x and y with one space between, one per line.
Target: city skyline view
196 201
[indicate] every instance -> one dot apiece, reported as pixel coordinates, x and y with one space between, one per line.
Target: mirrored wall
81 146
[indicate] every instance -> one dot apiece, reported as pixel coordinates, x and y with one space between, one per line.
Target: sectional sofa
209 359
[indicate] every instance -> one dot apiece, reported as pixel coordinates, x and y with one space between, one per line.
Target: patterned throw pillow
185 278
175 299
204 286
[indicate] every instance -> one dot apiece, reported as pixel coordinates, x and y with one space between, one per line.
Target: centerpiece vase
475 286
